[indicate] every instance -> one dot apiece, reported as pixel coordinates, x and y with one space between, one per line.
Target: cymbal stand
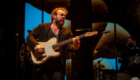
99 67
116 60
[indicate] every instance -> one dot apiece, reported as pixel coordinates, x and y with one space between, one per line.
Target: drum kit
100 73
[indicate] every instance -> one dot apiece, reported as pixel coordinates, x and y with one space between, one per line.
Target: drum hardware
99 66
134 64
133 67
134 60
104 53
105 74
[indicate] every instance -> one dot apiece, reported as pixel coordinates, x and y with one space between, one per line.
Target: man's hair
55 11
131 38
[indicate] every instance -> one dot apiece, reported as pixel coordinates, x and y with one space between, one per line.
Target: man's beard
59 23
130 44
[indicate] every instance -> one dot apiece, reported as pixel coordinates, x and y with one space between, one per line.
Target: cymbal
105 53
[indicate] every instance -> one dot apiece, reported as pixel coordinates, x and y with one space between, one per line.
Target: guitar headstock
89 34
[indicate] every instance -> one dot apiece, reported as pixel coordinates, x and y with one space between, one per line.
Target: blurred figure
26 65
130 58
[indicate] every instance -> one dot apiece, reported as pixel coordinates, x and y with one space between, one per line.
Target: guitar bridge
41 57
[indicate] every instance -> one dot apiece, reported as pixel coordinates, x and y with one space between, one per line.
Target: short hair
131 38
55 12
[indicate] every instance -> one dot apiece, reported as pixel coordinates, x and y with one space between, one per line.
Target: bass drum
121 76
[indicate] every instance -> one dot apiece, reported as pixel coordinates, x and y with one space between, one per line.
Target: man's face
130 42
60 18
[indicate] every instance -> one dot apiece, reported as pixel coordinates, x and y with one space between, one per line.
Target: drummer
126 53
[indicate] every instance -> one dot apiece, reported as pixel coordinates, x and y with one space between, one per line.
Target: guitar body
40 58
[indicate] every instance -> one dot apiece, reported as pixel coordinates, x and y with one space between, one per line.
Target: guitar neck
66 42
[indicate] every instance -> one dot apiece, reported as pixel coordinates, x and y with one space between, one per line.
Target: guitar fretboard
66 42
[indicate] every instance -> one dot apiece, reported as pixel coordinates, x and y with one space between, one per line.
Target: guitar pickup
41 57
43 50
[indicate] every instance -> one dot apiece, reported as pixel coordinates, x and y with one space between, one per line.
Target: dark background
123 12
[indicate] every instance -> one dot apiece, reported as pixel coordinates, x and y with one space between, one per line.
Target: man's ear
54 15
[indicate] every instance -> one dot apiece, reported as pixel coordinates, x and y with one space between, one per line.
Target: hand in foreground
120 60
38 48
76 43
22 58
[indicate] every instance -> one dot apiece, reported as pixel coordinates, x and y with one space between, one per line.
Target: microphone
106 32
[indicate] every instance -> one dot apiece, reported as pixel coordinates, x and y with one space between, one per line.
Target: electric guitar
49 46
